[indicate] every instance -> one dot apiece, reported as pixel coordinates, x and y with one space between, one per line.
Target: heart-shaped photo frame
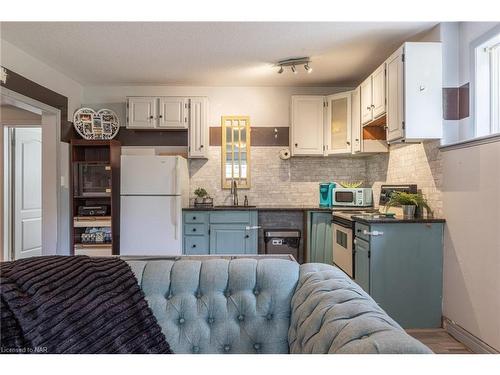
101 125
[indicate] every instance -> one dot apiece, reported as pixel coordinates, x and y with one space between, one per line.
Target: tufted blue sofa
265 306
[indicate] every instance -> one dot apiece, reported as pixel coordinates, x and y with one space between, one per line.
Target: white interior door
150 225
27 192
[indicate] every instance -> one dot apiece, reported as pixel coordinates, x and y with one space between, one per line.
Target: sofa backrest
219 305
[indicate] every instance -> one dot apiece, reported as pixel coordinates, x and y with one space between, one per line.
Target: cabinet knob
357 140
151 117
296 145
373 106
368 108
194 217
160 116
247 236
193 246
348 143
201 146
194 229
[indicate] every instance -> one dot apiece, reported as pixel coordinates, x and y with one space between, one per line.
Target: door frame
51 189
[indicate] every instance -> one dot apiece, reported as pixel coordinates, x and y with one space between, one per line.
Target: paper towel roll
285 154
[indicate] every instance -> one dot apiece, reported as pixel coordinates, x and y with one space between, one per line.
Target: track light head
308 68
293 69
281 69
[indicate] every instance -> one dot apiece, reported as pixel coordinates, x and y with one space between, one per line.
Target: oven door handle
373 233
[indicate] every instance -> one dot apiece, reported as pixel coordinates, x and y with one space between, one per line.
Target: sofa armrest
332 314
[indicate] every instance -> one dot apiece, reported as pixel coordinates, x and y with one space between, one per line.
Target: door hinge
402 124
208 231
403 57
127 105
369 253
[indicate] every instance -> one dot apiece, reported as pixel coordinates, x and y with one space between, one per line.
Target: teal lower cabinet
401 266
220 232
320 237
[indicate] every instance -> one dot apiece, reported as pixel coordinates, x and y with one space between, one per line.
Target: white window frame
485 83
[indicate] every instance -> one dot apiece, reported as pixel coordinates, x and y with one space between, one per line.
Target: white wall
471 206
471 203
266 106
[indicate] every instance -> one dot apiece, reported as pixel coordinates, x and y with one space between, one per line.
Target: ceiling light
292 63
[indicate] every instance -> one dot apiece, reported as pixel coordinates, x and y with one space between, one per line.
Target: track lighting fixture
293 63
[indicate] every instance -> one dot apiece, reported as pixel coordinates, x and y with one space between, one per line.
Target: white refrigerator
153 191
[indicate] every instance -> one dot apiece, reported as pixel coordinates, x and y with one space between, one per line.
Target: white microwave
355 197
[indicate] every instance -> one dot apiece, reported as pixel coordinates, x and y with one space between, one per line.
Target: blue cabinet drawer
196 245
195 217
361 231
195 229
231 217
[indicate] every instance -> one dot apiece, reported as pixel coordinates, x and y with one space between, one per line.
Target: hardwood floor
440 341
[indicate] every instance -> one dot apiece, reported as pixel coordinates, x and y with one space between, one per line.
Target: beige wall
471 203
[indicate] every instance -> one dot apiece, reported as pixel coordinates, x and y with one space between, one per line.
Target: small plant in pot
409 202
200 195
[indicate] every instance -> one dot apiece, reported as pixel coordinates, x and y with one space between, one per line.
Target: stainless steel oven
343 245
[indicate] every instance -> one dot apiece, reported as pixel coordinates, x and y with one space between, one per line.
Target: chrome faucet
234 192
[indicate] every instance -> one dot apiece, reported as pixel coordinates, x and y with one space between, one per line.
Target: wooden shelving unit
106 156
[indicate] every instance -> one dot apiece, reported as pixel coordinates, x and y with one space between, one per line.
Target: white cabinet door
172 112
395 110
356 134
307 125
366 101
198 129
338 126
142 112
378 92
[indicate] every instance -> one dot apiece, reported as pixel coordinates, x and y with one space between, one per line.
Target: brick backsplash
276 182
409 164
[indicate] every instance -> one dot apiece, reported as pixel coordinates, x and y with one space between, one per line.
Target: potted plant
409 202
200 195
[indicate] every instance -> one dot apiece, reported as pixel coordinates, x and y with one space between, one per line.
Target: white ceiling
210 53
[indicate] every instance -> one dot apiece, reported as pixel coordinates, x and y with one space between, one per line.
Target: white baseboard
468 339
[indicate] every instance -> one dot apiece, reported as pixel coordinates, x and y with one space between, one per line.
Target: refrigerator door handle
177 171
174 208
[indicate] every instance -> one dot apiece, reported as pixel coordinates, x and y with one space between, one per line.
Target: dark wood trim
456 102
33 90
259 136
374 132
130 137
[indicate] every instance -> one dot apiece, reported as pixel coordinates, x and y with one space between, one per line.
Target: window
487 85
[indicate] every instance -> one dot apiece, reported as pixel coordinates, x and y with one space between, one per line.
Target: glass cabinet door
338 129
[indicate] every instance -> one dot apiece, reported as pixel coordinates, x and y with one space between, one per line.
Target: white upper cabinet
141 112
307 125
414 93
173 112
198 129
373 96
356 135
338 124
366 100
378 92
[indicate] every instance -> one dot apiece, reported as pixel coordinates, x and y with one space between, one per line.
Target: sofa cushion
220 306
332 314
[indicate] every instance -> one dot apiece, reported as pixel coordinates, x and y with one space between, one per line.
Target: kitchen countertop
274 208
368 219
